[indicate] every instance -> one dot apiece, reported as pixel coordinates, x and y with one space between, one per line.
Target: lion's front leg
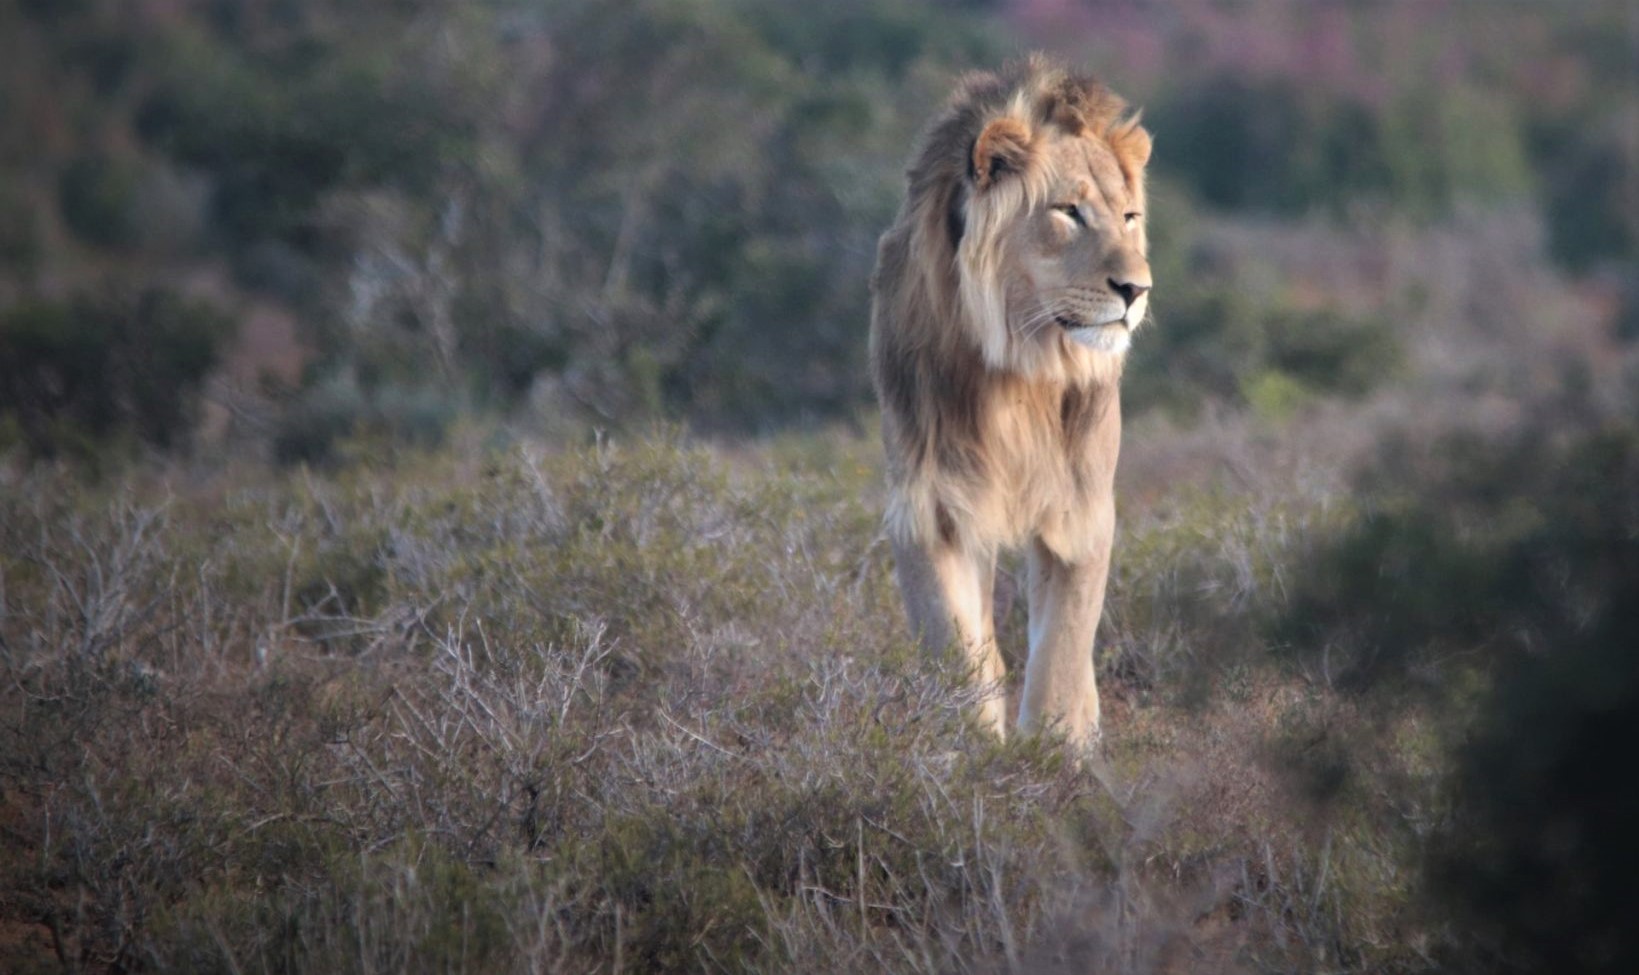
1066 601
948 599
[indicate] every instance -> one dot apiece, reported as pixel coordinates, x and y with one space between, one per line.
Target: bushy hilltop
325 217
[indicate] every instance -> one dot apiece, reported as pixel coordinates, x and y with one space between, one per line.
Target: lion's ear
1002 148
1131 142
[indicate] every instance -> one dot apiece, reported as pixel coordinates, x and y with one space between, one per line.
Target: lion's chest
1049 470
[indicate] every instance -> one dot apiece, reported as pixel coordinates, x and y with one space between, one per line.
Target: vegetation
440 517
610 214
77 373
500 710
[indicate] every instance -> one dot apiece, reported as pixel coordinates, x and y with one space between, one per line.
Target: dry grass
649 707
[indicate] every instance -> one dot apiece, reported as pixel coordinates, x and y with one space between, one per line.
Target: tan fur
998 328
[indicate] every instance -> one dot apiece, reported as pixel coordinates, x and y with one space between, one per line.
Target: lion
1004 299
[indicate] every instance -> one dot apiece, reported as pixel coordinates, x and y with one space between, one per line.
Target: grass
650 706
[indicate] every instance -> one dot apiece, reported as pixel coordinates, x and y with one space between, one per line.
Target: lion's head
1025 219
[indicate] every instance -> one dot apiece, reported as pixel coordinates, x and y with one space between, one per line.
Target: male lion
1003 301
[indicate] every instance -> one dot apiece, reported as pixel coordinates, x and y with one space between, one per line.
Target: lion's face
1062 273
1080 253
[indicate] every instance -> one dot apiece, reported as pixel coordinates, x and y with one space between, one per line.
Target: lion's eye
1132 220
1073 212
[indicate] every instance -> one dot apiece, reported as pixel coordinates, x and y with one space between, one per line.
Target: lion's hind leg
948 599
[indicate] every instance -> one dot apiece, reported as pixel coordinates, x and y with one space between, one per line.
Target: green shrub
1472 551
103 366
20 244
1267 145
1211 342
1536 856
1332 353
96 195
1275 146
316 427
1489 584
1591 172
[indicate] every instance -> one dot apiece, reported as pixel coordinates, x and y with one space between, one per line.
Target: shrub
100 367
1212 343
1494 578
1592 172
96 195
1331 353
1537 856
649 702
1275 146
314 428
19 229
1472 551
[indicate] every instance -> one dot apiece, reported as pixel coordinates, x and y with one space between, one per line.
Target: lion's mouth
1070 324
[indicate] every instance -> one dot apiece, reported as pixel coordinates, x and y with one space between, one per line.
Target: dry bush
646 707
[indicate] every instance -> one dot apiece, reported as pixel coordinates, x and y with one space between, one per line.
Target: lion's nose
1128 290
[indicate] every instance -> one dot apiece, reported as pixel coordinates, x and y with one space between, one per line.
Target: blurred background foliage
1490 584
580 213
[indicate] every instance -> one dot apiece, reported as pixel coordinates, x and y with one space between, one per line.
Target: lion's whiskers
1032 324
